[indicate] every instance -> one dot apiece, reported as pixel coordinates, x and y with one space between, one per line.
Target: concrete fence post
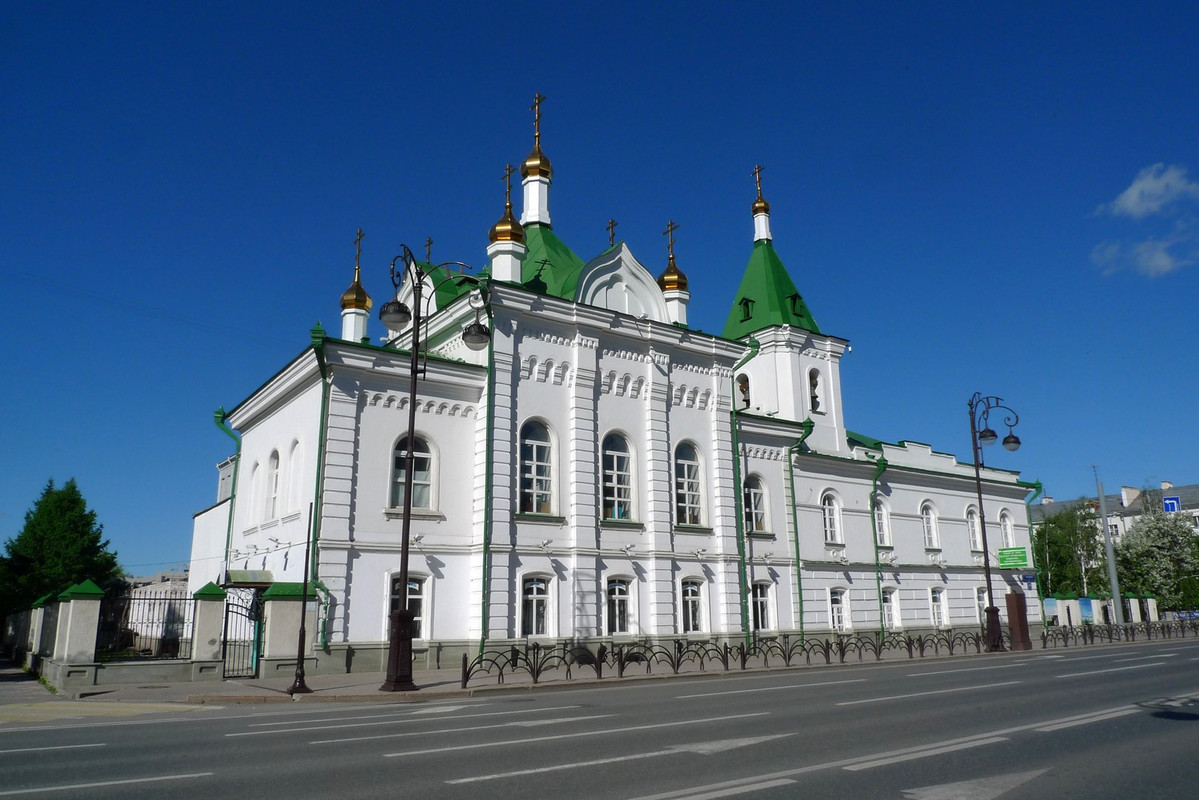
208 629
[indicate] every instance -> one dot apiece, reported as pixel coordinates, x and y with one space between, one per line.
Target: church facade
598 472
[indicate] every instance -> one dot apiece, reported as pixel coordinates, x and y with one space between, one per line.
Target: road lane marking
988 788
579 734
98 784
702 748
1144 658
389 715
926 694
521 724
1092 718
54 747
1113 669
753 787
932 751
404 720
967 669
768 689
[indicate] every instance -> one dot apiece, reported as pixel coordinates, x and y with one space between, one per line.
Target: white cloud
1153 189
1152 257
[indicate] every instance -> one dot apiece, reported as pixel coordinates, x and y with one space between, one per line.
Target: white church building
599 472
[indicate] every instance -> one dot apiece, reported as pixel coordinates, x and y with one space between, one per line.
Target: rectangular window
882 525
761 606
938 608
534 611
686 483
618 486
755 505
535 479
691 607
890 611
837 610
416 601
618 606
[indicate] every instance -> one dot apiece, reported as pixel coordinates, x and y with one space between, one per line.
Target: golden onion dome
507 229
672 279
537 164
355 297
760 206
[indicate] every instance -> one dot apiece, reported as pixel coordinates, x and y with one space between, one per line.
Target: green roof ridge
767 297
559 277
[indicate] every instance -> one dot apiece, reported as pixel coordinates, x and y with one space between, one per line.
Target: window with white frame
294 473
755 504
416 601
890 610
422 474
838 610
882 522
535 607
692 606
980 601
618 606
761 605
617 489
536 469
928 519
974 530
272 486
687 497
937 602
1007 536
830 508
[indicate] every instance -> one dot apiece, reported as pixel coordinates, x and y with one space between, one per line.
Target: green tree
60 545
1159 555
1068 553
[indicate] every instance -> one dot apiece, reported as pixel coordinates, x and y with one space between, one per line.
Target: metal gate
242 641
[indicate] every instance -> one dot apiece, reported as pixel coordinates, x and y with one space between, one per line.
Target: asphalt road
1111 722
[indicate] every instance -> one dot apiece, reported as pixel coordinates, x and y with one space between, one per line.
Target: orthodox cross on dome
429 250
357 252
758 179
611 232
508 185
670 229
538 99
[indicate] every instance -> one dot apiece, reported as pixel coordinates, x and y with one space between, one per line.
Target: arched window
618 606
755 504
687 497
761 605
535 608
973 528
980 602
814 391
882 522
838 610
294 476
416 602
692 606
831 510
743 389
928 518
937 602
1007 537
891 615
272 486
536 469
422 473
617 489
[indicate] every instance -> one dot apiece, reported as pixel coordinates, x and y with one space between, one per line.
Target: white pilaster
506 260
676 305
761 226
353 324
537 200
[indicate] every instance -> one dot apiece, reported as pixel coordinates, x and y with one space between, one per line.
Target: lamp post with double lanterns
395 316
982 435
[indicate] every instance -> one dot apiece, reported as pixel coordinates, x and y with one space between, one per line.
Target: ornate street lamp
982 435
395 316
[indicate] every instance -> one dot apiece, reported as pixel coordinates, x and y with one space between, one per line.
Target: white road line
523 724
408 711
55 747
926 694
97 784
932 751
1093 718
557 767
398 721
623 729
768 689
746 789
1113 669
967 669
1144 658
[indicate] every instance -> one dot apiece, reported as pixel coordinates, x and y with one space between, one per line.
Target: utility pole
1113 581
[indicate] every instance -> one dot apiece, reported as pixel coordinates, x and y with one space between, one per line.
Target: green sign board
1013 558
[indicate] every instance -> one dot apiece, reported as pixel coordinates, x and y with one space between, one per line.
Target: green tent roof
559 275
767 297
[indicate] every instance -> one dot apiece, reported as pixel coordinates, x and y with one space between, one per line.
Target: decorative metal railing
135 626
564 661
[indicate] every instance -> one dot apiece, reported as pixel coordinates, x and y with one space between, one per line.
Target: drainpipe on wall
754 345
1037 490
880 468
318 348
807 426
487 477
218 417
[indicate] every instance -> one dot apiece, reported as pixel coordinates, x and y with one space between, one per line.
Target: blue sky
1001 199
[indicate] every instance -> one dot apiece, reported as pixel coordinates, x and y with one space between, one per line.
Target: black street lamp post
395 316
981 435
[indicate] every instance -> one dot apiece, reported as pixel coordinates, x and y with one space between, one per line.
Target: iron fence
136 625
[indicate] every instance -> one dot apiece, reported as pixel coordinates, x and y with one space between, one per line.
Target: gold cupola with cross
507 248
673 282
355 302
